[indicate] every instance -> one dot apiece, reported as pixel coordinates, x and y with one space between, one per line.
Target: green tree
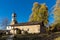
39 13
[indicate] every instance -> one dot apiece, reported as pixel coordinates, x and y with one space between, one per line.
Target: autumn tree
56 24
39 13
57 12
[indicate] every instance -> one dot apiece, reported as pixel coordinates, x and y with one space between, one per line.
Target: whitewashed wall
30 28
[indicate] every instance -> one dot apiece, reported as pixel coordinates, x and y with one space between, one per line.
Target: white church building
24 28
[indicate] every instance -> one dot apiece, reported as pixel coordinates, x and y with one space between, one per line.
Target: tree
57 27
35 9
57 12
4 23
57 16
39 13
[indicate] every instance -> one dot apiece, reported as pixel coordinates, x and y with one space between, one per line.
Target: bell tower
14 21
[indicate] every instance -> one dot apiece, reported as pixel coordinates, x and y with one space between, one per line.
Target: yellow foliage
36 4
57 14
39 13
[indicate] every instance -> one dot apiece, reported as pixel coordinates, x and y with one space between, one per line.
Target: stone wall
29 28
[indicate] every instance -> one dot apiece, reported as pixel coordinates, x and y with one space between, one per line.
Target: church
25 28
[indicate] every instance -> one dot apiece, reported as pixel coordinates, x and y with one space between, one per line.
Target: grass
30 37
45 36
52 36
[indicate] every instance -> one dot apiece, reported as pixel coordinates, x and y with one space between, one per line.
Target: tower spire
14 21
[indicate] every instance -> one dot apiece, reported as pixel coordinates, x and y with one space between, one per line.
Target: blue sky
22 8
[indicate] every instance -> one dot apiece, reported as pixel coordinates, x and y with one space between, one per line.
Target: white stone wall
9 27
30 28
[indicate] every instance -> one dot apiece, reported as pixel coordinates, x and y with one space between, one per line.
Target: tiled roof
27 23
